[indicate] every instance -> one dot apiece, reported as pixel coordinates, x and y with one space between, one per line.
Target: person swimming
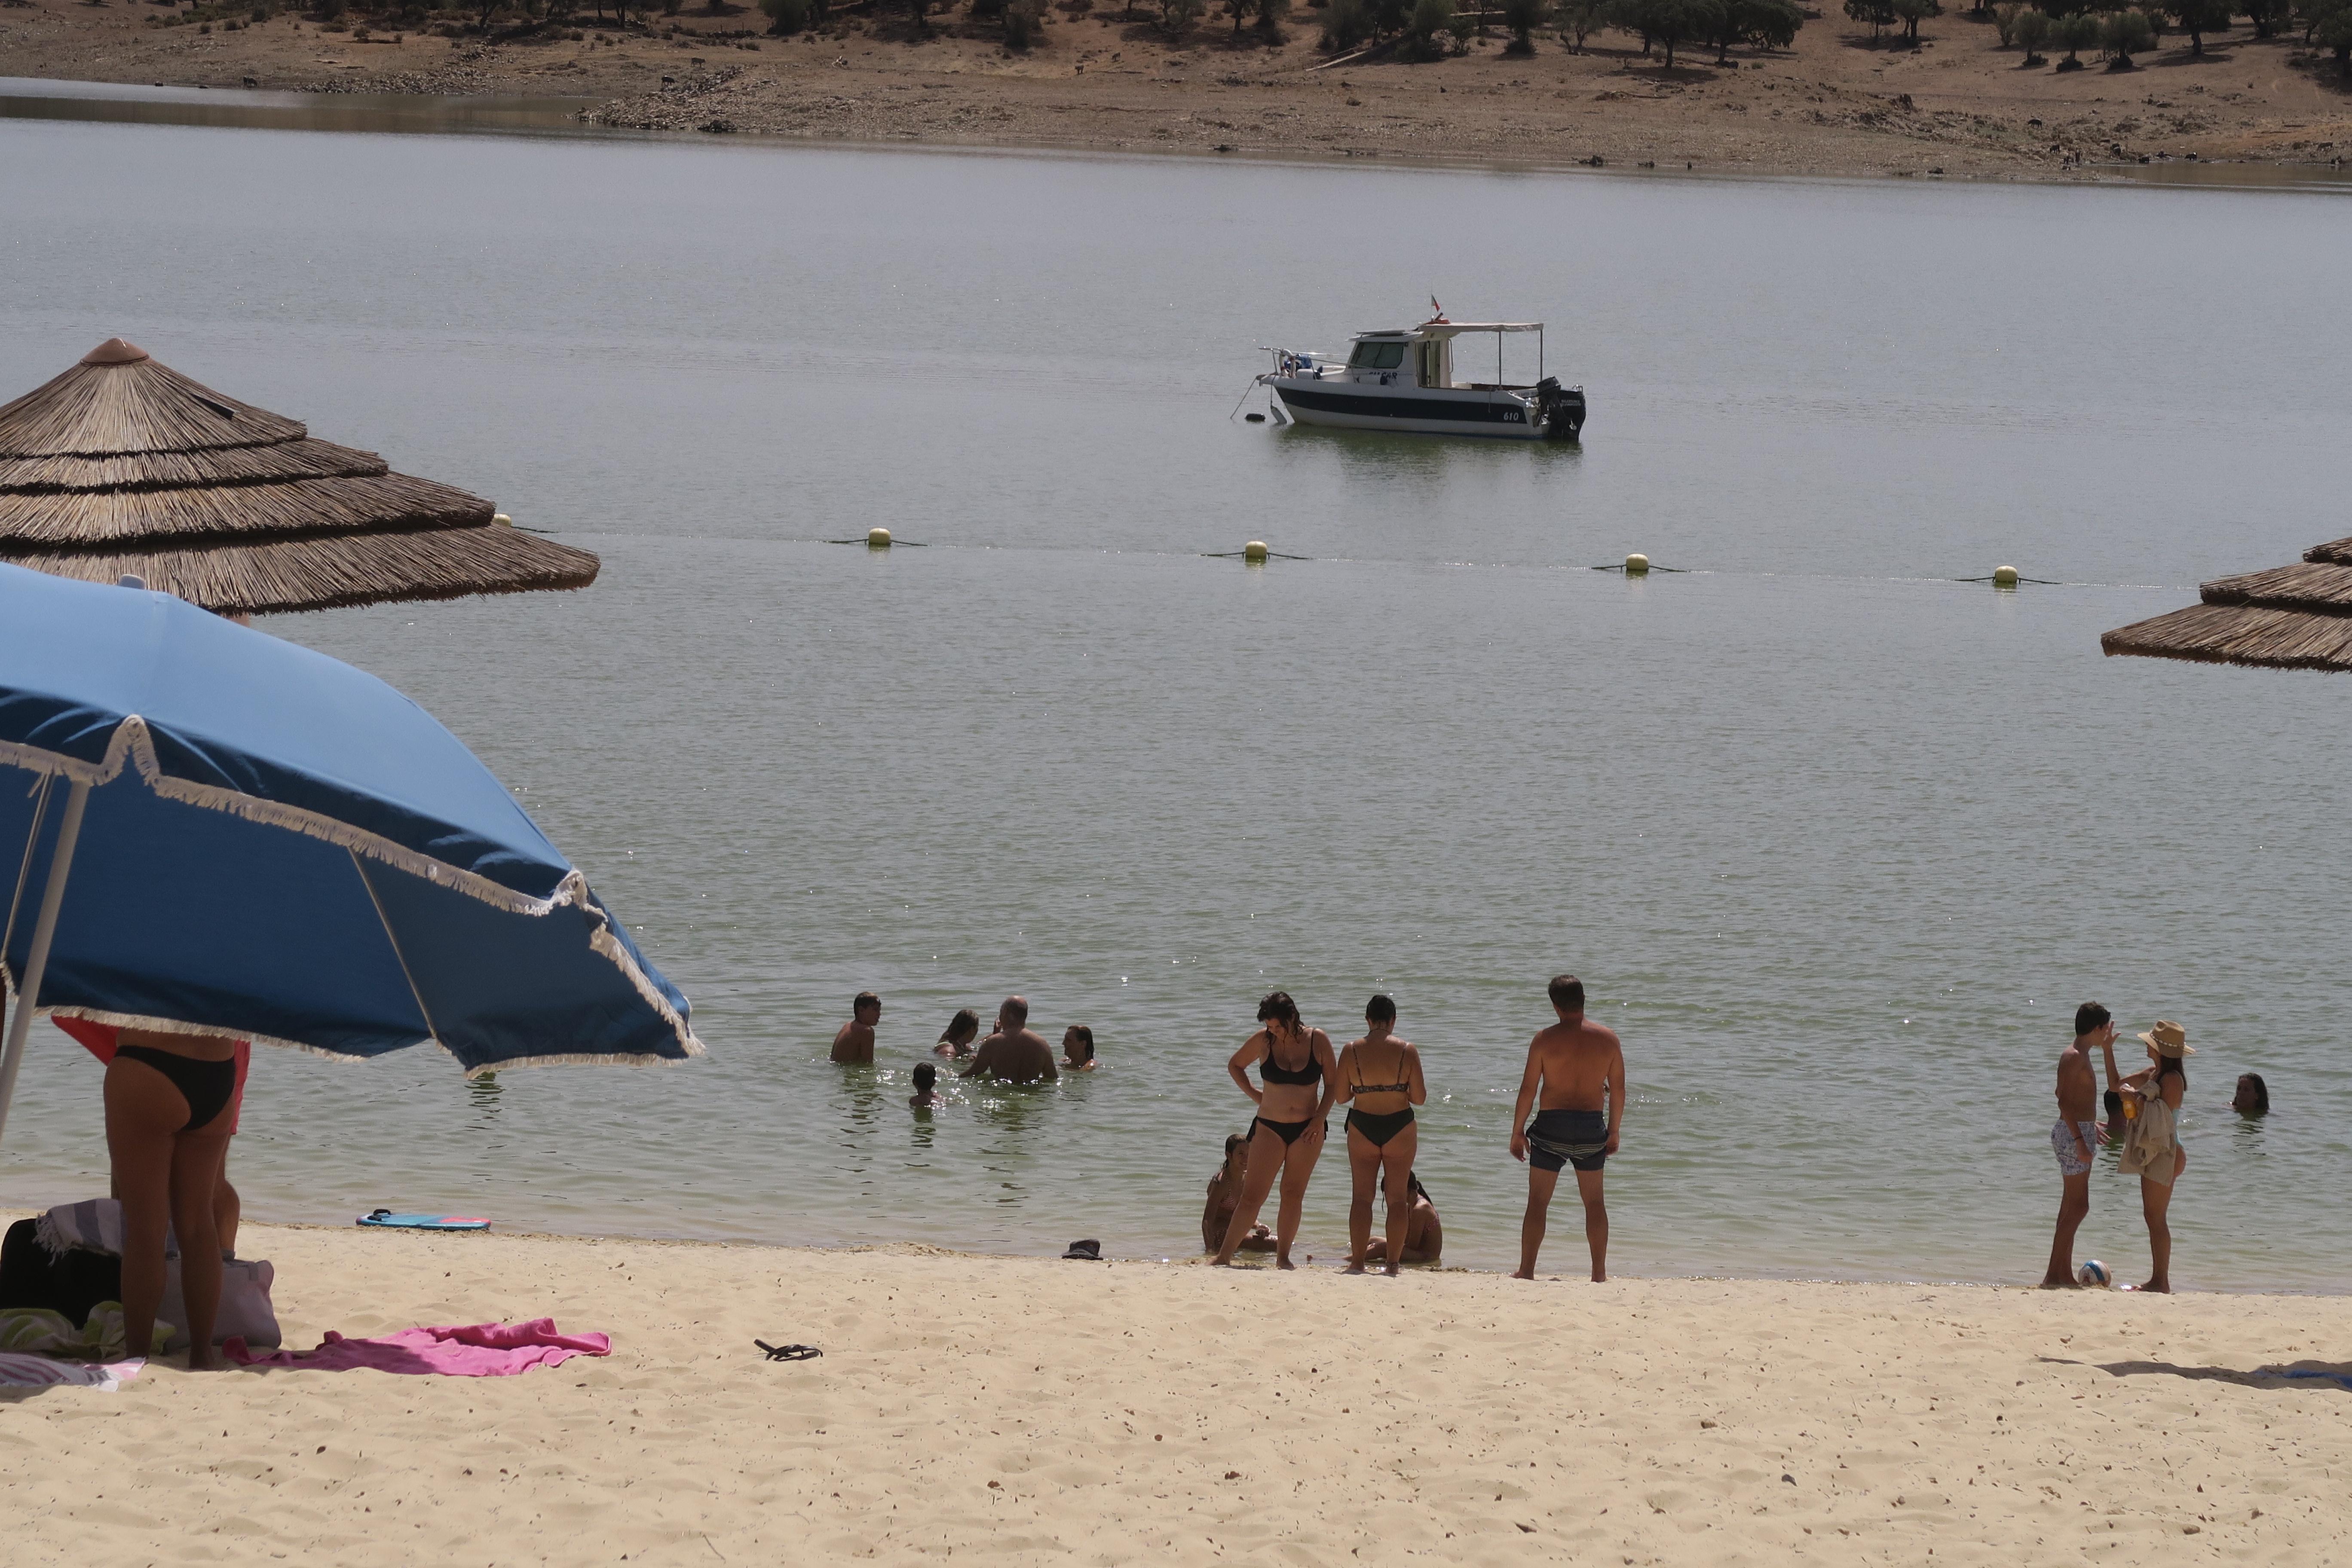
1382 1137
956 1040
1078 1049
2253 1096
1286 1137
925 1096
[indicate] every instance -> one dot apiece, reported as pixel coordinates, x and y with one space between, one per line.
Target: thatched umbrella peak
2297 616
124 466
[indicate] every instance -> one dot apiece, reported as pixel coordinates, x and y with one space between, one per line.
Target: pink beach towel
484 1350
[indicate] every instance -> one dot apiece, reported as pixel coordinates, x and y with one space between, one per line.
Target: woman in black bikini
167 1126
1288 1135
1379 1076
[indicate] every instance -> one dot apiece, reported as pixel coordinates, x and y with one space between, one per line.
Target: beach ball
2094 1273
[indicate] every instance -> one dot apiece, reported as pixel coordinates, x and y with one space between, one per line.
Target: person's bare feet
2060 1285
2153 1287
1393 1271
1523 1274
1599 1276
1353 1268
1283 1263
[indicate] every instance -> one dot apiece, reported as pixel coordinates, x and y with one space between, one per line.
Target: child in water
925 1096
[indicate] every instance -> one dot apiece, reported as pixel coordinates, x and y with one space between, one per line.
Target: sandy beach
1033 1410
1102 79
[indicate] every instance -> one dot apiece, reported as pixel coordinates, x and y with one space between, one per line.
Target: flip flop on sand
788 1353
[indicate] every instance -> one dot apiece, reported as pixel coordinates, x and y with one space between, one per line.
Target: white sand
1042 1411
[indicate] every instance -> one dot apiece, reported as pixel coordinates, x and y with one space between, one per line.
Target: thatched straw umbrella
121 466
2290 618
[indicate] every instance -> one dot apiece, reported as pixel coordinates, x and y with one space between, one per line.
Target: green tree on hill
1580 19
2074 34
1768 24
2031 30
2124 34
1911 13
1879 14
2331 28
1523 17
1667 23
2199 17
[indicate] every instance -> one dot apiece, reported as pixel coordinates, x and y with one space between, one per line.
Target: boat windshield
1376 355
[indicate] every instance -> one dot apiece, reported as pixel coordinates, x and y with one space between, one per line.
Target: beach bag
69 1282
244 1308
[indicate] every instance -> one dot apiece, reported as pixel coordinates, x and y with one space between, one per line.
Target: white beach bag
245 1309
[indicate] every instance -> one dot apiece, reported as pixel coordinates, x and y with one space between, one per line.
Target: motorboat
1405 380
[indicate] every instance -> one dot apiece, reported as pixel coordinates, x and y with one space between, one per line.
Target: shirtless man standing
2076 1135
1015 1053
855 1042
1573 1068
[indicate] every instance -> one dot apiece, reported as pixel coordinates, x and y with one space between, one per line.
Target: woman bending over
1379 1076
1301 1080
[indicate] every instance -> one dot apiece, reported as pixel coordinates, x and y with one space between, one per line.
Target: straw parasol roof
2290 618
122 465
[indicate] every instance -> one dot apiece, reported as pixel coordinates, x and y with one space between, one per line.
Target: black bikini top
1404 1088
1271 1071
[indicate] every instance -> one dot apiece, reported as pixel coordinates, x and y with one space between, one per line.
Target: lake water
1838 842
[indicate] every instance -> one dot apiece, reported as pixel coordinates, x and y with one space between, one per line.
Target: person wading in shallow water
1573 1068
855 1040
1301 1082
2076 1135
1015 1053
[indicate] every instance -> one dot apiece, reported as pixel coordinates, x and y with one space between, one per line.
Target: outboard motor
1561 408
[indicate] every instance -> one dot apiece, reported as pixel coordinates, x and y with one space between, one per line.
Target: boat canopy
1452 329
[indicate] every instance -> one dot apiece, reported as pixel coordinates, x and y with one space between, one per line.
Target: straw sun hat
2169 1039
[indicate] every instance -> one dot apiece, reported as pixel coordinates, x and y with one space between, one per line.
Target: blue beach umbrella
203 829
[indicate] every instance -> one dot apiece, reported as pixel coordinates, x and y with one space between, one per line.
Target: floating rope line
1247 554
896 543
2045 581
1620 567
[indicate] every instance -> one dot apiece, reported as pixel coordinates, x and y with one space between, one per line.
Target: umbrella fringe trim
131 740
175 1027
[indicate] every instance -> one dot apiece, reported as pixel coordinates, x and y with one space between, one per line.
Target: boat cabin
1424 356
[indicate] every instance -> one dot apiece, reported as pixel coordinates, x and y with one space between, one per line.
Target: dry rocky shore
1101 78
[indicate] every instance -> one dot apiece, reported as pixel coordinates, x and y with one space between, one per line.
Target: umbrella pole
36 957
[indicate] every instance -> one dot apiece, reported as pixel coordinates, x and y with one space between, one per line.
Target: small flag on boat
1436 310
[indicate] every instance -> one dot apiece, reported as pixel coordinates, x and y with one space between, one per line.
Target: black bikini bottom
1287 1132
207 1086
1378 1130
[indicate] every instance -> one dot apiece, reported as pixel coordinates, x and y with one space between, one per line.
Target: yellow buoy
1254 551
2004 576
878 539
502 521
1637 564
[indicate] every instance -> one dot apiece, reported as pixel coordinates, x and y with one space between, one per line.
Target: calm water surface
1838 842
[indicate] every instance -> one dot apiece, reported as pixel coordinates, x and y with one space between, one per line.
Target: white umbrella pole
36 957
